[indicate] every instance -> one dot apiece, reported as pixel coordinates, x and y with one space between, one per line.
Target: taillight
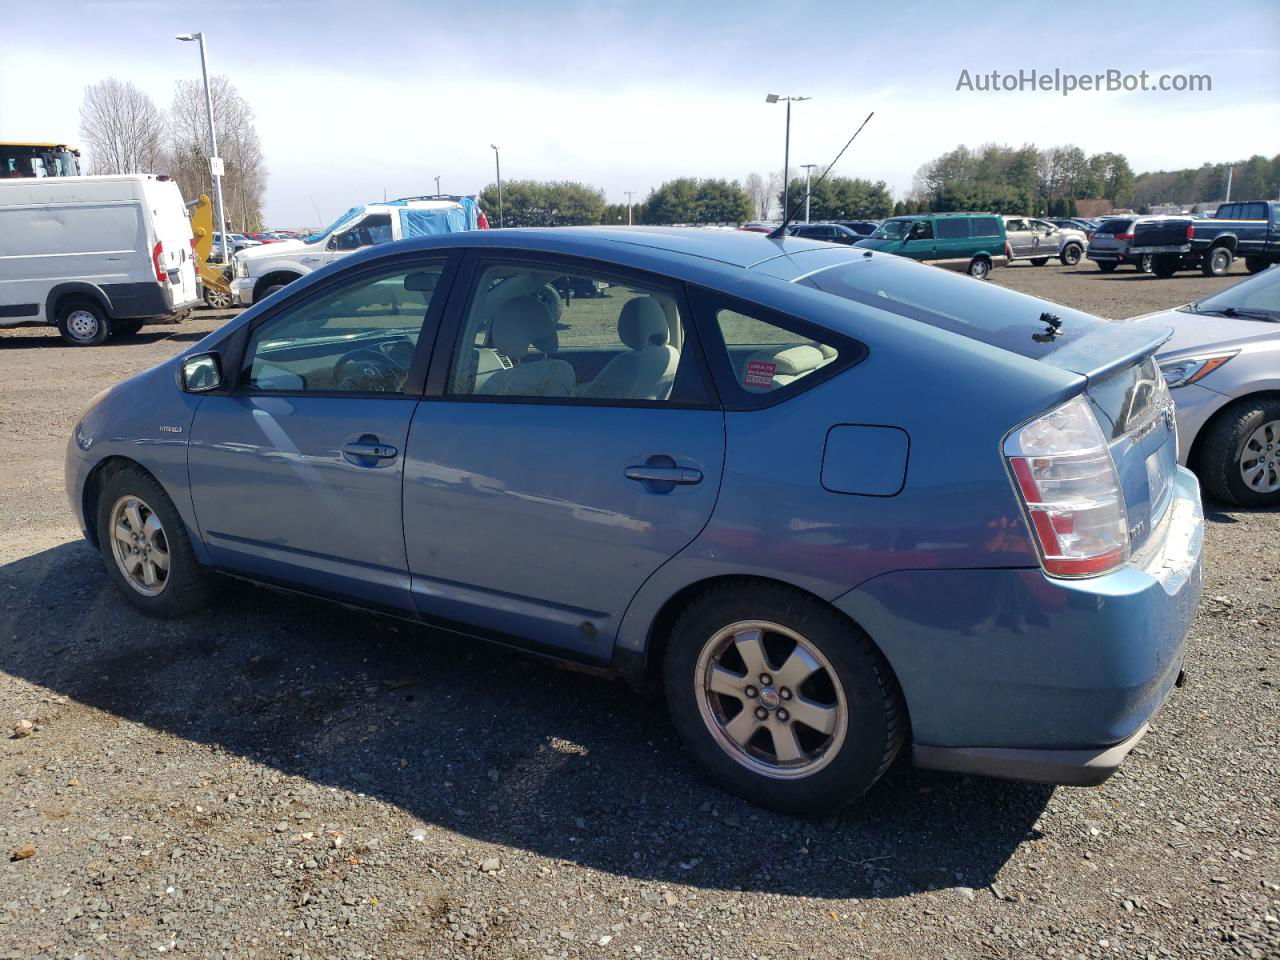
1126 237
1190 232
156 253
1064 475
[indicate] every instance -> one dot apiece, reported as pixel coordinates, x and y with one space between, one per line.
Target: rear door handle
376 451
681 475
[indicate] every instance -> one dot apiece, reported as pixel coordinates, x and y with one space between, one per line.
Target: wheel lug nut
762 713
784 716
766 679
751 691
785 693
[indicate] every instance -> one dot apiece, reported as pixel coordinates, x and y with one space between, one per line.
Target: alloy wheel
770 699
139 546
217 299
1260 459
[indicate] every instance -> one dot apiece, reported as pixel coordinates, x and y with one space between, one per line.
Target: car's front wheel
1240 460
1256 264
781 699
1145 263
1070 254
1039 261
146 548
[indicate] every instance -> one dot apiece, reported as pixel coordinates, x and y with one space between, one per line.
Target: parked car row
1166 244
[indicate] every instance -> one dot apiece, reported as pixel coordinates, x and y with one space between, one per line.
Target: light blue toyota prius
830 501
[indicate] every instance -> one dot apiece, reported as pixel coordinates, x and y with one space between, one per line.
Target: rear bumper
1069 768
1011 673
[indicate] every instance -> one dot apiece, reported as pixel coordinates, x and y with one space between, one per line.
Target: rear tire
1217 262
1070 254
779 652
1256 264
1165 266
979 267
82 323
1240 460
1145 263
1039 261
1106 266
126 328
131 498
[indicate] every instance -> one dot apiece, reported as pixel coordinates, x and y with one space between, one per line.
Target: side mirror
202 373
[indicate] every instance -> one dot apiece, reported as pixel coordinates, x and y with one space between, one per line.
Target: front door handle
680 475
372 451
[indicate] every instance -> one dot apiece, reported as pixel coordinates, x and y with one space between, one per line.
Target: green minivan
972 242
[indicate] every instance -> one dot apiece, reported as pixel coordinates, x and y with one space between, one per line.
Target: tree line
123 131
1030 180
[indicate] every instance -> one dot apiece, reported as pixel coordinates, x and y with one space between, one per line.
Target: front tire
1165 267
1070 254
216 299
780 699
1217 262
146 548
1240 461
1145 263
1256 264
979 268
82 323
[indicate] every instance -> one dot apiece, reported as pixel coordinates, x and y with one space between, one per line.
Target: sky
357 98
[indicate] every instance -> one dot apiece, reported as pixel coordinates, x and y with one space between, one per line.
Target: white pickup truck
260 271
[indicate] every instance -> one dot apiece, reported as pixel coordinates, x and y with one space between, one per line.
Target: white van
95 255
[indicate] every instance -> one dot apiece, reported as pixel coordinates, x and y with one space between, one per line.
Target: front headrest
522 321
643 323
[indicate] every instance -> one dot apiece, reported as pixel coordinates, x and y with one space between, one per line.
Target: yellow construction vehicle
217 286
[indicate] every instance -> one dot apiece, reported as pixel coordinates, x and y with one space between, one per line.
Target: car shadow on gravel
147 335
481 741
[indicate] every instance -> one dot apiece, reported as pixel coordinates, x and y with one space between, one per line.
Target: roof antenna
789 215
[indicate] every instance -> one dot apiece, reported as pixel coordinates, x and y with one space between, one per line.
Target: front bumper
242 291
1012 673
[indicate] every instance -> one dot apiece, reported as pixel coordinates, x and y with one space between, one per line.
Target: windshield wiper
1270 316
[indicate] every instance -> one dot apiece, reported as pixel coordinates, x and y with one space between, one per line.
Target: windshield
1258 295
892 230
345 218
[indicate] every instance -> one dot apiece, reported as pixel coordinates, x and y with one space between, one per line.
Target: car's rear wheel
1106 266
1240 459
82 323
1255 264
1039 261
782 700
1217 262
145 546
1165 266
126 328
979 267
1145 263
1070 254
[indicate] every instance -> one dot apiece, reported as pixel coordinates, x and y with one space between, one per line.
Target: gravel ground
279 777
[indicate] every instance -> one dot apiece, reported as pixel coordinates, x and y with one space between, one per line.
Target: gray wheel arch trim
75 288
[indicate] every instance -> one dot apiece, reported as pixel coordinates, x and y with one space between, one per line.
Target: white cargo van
95 255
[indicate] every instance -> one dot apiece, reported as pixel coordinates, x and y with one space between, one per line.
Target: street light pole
437 186
786 161
213 140
497 166
628 193
808 171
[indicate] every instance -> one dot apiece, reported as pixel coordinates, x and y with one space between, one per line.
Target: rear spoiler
1109 349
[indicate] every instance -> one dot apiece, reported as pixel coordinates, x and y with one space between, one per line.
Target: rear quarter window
985 227
953 229
1114 226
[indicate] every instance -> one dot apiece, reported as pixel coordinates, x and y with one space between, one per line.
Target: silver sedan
1223 368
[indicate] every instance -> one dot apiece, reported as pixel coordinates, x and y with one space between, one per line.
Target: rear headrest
791 361
522 321
643 323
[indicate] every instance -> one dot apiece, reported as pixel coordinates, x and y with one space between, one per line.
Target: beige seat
775 367
519 324
648 368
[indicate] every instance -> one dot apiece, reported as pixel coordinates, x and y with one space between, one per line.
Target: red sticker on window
759 373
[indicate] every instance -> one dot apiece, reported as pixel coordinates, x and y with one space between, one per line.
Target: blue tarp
418 222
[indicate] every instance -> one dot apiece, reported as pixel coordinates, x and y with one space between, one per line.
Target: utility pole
628 193
437 185
497 165
786 155
808 171
215 162
1230 170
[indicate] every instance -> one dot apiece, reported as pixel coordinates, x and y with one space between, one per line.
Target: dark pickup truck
1250 230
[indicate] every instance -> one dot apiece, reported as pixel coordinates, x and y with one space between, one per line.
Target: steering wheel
380 369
